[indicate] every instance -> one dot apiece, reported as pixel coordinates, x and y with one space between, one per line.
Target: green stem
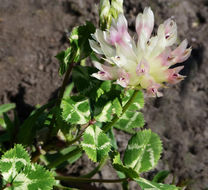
97 169
116 118
88 180
63 158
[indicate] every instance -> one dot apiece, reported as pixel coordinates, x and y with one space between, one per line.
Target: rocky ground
32 32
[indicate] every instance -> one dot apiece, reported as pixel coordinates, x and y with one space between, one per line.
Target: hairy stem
63 158
88 180
116 118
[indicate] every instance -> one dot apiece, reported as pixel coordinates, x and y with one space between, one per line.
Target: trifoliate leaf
130 120
143 151
13 161
76 110
95 143
19 173
148 185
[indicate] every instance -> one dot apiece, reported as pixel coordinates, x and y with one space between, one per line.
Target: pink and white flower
144 63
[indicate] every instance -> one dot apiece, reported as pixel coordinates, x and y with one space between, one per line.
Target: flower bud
109 10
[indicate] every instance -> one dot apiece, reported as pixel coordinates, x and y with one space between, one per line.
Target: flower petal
107 49
95 47
105 72
123 79
152 91
142 68
119 31
144 26
174 77
181 53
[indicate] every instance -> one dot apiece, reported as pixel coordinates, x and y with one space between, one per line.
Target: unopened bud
104 13
116 8
109 10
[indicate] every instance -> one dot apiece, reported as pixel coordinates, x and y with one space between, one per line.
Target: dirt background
32 32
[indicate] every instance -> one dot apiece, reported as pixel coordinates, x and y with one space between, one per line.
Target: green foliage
28 129
132 118
106 113
6 124
79 41
119 166
6 107
112 138
76 110
84 83
160 176
143 151
138 102
79 46
148 185
10 129
95 143
51 157
19 173
117 106
65 59
107 102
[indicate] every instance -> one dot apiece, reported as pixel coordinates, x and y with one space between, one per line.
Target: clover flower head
142 63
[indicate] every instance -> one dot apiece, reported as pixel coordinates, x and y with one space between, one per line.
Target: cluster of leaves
18 173
91 114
